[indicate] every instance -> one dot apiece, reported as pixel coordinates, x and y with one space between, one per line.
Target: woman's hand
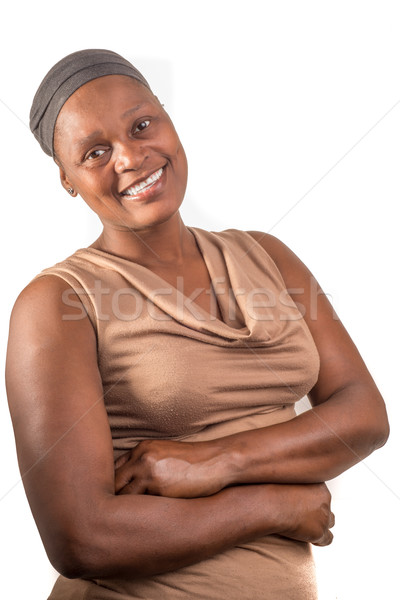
185 470
189 470
305 511
173 469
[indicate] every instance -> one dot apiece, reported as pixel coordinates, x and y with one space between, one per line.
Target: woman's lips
141 189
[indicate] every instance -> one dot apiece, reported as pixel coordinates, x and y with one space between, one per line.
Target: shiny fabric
170 370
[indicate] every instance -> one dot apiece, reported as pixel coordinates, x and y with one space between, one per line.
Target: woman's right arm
65 456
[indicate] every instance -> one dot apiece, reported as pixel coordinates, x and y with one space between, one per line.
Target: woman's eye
95 154
142 125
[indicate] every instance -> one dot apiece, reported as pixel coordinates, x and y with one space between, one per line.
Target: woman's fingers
169 468
124 475
130 476
327 538
133 487
122 460
331 520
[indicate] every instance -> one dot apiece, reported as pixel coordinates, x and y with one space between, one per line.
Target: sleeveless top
170 370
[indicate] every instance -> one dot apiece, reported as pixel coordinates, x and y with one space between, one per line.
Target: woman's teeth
136 189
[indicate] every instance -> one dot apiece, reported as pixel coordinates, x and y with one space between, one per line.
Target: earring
70 191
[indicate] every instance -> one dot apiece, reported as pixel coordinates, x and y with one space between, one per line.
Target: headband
69 74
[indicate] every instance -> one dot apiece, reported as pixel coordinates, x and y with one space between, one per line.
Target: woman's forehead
95 100
110 89
109 99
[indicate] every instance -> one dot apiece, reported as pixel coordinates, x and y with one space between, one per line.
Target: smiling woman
122 153
163 457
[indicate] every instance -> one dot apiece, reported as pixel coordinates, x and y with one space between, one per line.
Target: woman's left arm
347 421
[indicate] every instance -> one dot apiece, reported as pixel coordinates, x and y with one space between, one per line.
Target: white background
289 113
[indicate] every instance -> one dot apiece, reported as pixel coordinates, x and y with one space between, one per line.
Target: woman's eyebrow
89 138
132 110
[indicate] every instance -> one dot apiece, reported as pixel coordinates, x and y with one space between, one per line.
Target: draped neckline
225 270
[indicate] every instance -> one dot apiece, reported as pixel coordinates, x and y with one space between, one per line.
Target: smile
139 188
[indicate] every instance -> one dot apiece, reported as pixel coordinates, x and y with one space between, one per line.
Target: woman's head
112 139
63 79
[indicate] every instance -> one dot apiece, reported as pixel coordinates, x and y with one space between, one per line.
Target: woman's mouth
140 189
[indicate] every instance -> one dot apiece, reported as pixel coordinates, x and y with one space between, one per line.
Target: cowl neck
236 265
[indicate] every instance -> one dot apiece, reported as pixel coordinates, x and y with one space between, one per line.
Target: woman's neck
164 244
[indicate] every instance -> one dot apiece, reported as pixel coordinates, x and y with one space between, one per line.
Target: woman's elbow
75 544
89 549
73 557
383 432
368 425
379 428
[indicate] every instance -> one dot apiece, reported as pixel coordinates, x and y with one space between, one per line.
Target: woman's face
118 149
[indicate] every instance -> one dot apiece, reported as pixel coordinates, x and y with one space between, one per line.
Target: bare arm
66 459
348 420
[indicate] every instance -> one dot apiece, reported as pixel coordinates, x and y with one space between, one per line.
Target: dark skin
94 517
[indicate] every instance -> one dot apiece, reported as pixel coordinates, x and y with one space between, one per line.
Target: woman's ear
65 182
158 100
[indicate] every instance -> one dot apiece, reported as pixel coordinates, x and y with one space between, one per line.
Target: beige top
170 370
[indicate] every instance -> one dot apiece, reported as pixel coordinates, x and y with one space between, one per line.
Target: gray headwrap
69 74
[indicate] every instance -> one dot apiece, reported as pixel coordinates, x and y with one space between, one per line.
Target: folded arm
65 455
348 420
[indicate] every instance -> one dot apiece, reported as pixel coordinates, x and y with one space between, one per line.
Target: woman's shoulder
41 313
264 239
271 244
258 246
46 290
70 272
41 297
272 247
292 269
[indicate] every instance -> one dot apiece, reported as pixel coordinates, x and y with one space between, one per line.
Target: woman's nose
129 158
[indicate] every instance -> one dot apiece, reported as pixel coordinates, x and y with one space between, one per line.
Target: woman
162 457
